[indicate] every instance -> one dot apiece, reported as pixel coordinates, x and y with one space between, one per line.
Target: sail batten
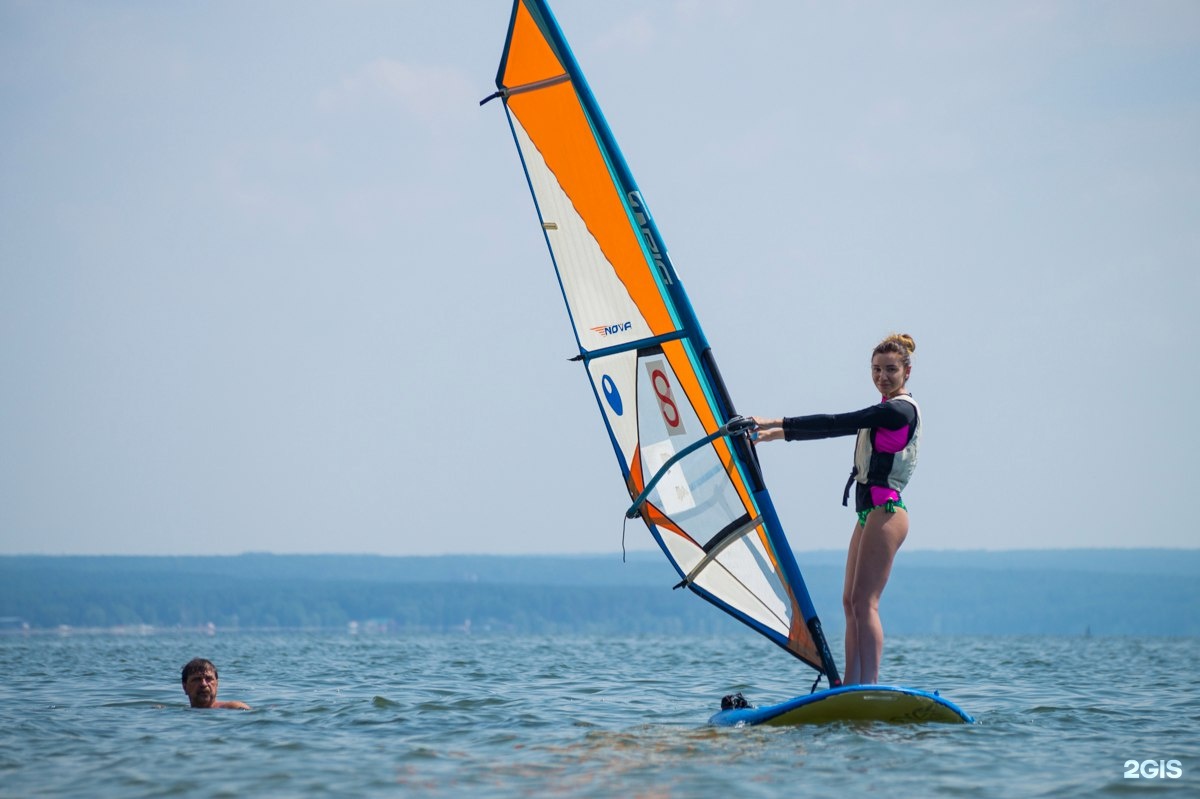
537 84
687 463
718 544
645 343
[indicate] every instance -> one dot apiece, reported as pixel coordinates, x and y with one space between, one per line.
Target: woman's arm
888 415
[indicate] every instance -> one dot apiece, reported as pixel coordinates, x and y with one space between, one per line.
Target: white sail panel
614 381
739 585
601 308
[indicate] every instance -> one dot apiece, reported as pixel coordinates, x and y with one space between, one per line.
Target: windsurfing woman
884 458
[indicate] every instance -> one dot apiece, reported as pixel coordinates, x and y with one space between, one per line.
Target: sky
272 281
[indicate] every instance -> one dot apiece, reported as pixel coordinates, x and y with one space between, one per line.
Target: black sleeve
891 415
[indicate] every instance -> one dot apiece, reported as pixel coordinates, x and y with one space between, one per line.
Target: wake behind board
886 703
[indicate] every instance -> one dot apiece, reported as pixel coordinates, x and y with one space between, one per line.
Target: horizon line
590 554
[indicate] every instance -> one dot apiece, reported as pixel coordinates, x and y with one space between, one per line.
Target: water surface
103 715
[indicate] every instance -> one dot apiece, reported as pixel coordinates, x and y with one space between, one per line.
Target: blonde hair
900 344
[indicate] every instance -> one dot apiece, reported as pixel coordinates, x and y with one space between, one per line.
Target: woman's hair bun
901 344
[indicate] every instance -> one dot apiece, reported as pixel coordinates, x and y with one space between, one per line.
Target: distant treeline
1104 592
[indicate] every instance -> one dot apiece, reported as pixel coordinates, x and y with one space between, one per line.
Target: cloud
635 33
701 10
433 95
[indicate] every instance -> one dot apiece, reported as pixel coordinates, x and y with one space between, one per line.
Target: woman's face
889 373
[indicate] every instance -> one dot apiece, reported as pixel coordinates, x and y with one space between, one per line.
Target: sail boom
732 427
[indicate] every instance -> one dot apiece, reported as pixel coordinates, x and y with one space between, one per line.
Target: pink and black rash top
886 452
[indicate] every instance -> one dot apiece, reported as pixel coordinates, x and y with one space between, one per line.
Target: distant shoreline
1104 592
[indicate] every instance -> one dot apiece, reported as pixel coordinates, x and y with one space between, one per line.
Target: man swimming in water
200 684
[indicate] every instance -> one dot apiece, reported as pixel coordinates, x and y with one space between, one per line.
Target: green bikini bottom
889 506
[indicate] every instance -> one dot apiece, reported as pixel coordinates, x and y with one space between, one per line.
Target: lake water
103 715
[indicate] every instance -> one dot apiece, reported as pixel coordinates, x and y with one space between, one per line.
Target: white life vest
893 469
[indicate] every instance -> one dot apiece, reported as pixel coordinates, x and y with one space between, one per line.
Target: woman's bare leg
850 677
876 549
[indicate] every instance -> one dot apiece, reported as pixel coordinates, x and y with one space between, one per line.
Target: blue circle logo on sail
612 395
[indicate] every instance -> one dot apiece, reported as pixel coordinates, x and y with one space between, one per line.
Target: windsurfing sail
691 471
